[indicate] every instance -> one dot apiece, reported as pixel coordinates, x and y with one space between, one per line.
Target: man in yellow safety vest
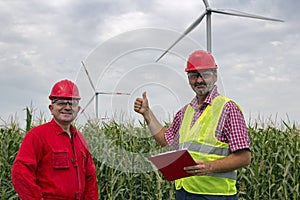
212 127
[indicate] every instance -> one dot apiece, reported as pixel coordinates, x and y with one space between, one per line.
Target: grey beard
207 90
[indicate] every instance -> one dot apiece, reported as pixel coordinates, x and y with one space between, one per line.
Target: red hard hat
200 60
64 89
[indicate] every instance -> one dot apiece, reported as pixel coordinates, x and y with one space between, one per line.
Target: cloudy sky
42 42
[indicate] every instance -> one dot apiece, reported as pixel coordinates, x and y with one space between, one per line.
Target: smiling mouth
64 113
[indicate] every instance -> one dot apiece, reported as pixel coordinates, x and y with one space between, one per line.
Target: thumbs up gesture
141 105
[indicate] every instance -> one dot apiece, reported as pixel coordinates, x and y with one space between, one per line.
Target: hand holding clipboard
171 164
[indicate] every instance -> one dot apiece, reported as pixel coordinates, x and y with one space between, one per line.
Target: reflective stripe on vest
202 143
204 148
211 150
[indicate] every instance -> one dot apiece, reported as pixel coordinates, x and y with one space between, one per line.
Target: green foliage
120 154
10 139
123 172
274 172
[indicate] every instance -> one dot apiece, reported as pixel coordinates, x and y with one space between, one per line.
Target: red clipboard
171 163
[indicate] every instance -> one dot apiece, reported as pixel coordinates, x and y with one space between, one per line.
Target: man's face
202 81
64 111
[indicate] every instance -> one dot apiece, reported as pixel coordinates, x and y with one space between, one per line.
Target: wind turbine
97 93
208 12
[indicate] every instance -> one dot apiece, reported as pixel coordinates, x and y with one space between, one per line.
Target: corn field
120 153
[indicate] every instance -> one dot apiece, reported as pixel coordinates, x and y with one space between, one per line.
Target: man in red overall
54 161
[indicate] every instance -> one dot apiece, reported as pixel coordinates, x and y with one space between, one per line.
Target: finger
136 109
138 100
190 170
194 172
137 104
144 95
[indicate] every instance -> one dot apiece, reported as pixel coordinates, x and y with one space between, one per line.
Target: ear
50 107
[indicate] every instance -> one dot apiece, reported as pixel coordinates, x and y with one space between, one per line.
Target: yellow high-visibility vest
202 144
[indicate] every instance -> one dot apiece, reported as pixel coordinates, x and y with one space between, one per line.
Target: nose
201 79
68 106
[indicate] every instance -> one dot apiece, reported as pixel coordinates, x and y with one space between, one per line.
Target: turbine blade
243 14
122 93
206 3
114 93
88 75
89 102
195 24
187 31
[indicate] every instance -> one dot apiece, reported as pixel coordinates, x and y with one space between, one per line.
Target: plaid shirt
231 129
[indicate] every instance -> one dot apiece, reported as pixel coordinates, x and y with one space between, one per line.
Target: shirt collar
211 95
58 130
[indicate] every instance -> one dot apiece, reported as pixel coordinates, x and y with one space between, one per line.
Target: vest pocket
60 159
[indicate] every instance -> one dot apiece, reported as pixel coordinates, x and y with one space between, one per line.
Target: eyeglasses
204 75
64 102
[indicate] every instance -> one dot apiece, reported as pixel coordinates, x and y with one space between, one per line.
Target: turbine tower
208 12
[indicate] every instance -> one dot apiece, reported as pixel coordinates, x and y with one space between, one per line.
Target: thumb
144 96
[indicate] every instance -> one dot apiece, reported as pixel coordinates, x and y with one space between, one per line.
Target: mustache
202 83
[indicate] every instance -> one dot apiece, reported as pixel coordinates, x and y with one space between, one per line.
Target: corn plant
275 169
10 139
123 171
11 136
120 153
